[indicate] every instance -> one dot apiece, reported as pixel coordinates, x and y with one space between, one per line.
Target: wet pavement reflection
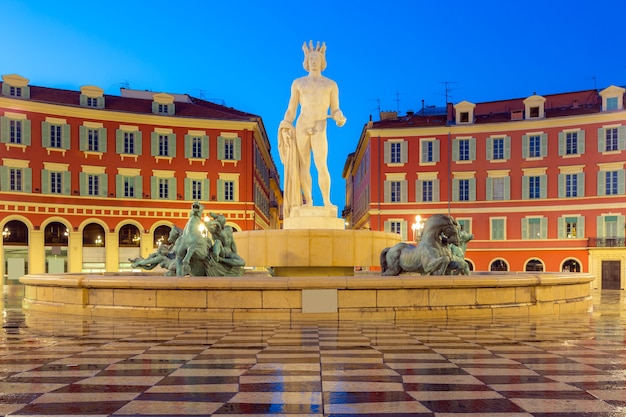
544 366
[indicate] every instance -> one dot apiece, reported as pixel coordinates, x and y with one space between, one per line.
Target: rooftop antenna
125 84
447 89
595 87
377 100
398 102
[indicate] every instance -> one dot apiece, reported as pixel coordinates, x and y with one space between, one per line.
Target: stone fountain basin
264 297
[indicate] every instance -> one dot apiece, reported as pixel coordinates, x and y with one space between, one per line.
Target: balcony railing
607 242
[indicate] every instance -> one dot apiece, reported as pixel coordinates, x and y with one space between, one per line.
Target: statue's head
314 55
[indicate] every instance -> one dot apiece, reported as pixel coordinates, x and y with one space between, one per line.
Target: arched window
129 236
56 234
161 234
470 264
571 265
534 265
93 235
15 233
498 265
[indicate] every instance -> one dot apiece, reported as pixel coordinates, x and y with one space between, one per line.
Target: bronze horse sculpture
431 256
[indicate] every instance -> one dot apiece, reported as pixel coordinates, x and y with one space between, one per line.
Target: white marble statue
315 94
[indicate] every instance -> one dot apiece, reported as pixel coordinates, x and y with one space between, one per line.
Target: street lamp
417 228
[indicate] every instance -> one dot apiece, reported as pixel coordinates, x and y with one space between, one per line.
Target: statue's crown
310 48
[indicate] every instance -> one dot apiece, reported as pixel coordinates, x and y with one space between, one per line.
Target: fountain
312 258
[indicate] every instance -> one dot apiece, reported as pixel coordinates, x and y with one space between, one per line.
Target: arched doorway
470 264
571 265
534 265
498 265
56 236
94 250
15 251
129 246
160 236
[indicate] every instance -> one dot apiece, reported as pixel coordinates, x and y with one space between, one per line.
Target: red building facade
538 181
88 180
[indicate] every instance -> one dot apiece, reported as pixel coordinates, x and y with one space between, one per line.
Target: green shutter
600 226
28 180
387 226
620 182
67 182
601 140
489 148
205 147
102 142
507 188
580 183
45 181
220 190
418 191
543 228
472 189
171 138
155 107
4 178
524 228
580 227
154 188
455 149
621 137
525 187
581 142
154 144
436 151
561 228
561 183
507 147
45 134
104 185
138 186
100 102
82 141
187 151
472 143
435 190
220 148
455 189
601 183
206 189
65 134
237 148
403 191
544 144
4 129
404 229
172 189
26 132
6 89
83 100
404 152
138 142
171 109
119 185
561 143
387 191
489 189
543 186
187 185
119 141
387 152
82 179
525 146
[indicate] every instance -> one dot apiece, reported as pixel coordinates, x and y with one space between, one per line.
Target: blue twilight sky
383 55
